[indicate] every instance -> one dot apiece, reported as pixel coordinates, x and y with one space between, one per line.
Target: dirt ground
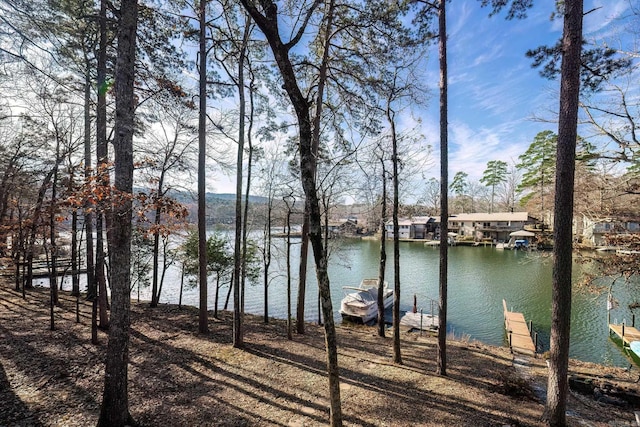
180 378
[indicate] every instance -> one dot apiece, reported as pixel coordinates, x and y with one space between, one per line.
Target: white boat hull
360 304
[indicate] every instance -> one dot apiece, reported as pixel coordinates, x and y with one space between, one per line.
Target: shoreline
461 320
178 377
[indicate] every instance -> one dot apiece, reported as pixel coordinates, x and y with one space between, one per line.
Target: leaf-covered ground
180 378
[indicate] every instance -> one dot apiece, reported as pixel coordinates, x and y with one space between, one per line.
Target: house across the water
489 226
343 227
419 228
470 226
596 231
498 227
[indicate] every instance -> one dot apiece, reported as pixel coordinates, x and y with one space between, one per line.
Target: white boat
627 252
361 303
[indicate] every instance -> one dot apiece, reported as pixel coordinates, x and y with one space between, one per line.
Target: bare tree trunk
157 277
302 271
5 191
155 295
53 276
327 313
35 223
216 297
100 276
238 333
383 251
269 25
88 208
226 301
397 356
563 212
444 193
203 326
289 206
181 287
75 255
267 257
52 286
114 411
19 251
245 218
102 160
289 335
165 265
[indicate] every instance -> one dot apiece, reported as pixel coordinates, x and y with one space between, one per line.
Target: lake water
479 278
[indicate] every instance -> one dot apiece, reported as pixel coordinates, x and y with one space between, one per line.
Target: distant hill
187 197
232 197
220 206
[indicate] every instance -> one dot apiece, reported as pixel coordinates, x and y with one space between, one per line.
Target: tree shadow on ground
179 377
406 395
283 379
13 411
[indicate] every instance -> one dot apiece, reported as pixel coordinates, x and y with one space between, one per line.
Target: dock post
530 326
510 342
535 342
633 320
623 332
420 322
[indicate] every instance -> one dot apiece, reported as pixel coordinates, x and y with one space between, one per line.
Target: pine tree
495 174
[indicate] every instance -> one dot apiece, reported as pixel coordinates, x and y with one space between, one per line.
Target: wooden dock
625 333
520 340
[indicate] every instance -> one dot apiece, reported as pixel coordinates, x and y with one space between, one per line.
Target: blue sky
494 93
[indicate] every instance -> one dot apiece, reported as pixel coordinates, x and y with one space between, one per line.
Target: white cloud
604 15
471 149
458 18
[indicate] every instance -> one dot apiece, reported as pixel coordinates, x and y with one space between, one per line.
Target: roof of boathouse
491 217
401 221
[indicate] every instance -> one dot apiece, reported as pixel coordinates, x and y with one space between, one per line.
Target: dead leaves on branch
96 194
603 271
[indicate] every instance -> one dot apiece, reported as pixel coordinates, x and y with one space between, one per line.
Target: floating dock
518 332
423 322
42 268
625 333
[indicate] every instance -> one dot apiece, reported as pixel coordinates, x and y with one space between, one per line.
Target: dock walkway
518 332
625 333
